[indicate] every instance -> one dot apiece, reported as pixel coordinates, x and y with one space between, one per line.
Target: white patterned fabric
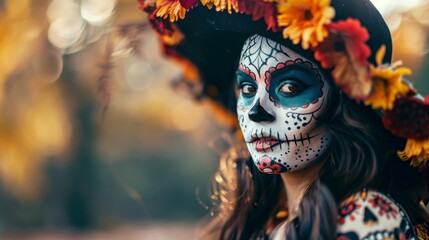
371 215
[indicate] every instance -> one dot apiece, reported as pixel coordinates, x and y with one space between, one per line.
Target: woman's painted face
282 94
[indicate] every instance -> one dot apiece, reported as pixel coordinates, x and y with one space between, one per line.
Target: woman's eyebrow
245 74
299 66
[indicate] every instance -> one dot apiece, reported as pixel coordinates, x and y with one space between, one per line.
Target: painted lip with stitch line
264 144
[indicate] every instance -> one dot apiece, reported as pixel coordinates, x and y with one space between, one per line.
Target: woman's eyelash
291 87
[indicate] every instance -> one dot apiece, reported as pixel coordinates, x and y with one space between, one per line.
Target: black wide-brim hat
213 42
207 37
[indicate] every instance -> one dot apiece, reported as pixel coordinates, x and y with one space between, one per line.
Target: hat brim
213 42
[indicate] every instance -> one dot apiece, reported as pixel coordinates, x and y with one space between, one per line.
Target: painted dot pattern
293 138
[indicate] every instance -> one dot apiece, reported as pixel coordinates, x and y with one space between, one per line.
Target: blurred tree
81 180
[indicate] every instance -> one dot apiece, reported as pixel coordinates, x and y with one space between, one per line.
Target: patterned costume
373 215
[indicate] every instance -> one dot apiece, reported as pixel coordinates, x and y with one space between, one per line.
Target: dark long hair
246 200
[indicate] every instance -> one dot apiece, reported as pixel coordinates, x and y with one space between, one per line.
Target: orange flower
221 5
387 83
305 20
171 9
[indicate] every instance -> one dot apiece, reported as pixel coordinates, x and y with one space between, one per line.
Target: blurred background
69 168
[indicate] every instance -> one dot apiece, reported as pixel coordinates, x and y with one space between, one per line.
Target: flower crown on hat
338 46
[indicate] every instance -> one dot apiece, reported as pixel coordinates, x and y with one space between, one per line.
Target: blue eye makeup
290 88
295 86
247 87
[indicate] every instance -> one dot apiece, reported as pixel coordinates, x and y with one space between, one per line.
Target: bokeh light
139 74
97 12
67 30
421 15
388 6
47 66
74 24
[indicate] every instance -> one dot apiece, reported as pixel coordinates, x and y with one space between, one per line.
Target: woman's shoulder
370 214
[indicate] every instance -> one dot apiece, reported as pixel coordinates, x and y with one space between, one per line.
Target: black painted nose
258 114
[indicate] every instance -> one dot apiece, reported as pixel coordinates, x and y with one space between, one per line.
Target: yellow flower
221 5
417 151
387 83
171 9
305 20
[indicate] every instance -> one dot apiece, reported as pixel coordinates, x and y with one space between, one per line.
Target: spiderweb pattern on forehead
257 56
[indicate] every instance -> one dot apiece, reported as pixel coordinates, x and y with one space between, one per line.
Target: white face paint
281 96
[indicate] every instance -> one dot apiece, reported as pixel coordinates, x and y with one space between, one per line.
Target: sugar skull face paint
282 94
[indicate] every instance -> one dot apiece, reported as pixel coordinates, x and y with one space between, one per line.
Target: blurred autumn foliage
66 161
33 125
410 33
63 163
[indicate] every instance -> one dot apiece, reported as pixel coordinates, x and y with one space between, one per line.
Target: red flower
354 37
188 3
267 165
260 9
162 26
409 118
345 50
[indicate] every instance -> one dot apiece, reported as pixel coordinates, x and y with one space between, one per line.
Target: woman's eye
291 88
248 90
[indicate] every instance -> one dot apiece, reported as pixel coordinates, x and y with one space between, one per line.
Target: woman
321 110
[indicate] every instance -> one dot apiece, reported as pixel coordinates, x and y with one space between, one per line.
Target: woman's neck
296 183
